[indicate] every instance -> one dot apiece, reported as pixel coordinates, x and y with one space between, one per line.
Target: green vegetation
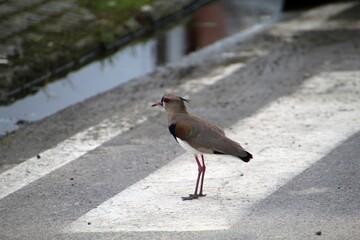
51 49
111 14
114 9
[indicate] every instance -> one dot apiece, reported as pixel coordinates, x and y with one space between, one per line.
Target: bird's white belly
187 147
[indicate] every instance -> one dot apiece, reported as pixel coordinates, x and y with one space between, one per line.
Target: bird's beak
157 104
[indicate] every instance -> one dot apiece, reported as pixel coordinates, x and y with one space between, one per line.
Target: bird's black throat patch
172 130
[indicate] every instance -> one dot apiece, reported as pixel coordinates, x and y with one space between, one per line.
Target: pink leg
201 171
202 177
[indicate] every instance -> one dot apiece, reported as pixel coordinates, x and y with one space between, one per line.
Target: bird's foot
193 196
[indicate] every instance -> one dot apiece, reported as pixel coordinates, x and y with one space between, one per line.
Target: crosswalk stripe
63 153
198 84
286 137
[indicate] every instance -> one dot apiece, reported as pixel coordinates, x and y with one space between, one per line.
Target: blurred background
55 53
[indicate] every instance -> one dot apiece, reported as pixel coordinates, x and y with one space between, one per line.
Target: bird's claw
193 196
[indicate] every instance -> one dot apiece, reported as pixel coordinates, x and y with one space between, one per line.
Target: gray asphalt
321 202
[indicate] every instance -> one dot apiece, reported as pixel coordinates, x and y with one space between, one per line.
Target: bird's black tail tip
247 157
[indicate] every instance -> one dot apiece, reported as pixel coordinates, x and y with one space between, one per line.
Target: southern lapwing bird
198 137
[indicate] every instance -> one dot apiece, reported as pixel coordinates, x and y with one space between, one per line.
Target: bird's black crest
172 130
185 100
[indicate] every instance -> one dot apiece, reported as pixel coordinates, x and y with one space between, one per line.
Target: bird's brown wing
198 133
209 138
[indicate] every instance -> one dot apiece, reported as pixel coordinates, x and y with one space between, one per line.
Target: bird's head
172 102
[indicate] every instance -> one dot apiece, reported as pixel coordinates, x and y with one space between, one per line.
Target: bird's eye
165 100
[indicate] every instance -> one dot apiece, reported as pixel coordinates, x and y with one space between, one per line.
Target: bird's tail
246 157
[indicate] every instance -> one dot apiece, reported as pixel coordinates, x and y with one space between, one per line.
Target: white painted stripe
285 137
65 152
198 84
317 18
